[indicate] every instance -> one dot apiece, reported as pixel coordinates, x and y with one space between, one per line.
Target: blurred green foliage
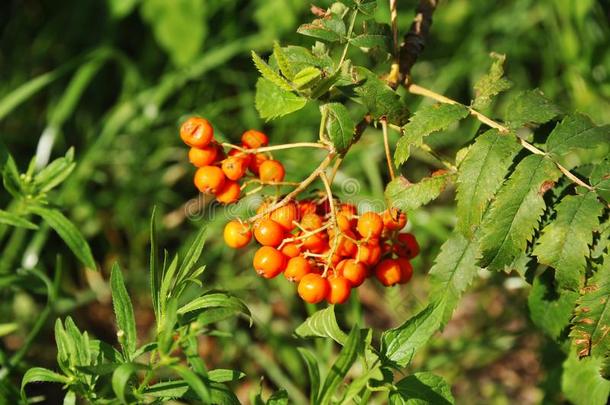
114 79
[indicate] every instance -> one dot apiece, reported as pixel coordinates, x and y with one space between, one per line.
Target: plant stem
386 144
312 177
333 222
348 36
415 89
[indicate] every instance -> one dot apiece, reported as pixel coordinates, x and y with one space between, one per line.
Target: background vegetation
113 80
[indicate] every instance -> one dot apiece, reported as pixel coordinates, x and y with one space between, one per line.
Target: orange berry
394 219
286 216
246 157
256 161
406 270
209 179
237 234
229 192
268 232
196 132
271 171
406 245
253 139
205 156
269 262
368 253
315 243
388 272
354 272
234 167
339 291
296 268
345 221
347 247
311 221
313 288
348 208
291 249
306 207
370 225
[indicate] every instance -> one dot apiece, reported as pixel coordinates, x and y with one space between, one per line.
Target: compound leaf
514 214
530 107
480 176
323 323
591 330
272 101
453 270
565 242
339 126
378 98
427 120
422 388
270 74
491 83
576 131
582 383
403 194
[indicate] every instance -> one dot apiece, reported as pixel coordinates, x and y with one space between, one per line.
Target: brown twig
414 40
386 144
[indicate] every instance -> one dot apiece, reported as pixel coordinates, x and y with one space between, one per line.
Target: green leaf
8 328
167 389
68 232
480 176
591 323
600 179
565 242
330 28
123 310
306 76
453 271
156 272
280 397
427 120
576 131
55 173
339 126
403 194
322 323
530 107
399 345
270 74
192 256
550 309
179 27
222 375
370 40
582 383
272 102
215 300
39 374
491 84
120 379
378 98
10 177
200 387
514 215
121 8
12 219
423 388
283 62
341 366
313 369
70 398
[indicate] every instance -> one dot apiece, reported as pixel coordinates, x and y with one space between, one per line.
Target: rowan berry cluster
218 172
322 243
327 257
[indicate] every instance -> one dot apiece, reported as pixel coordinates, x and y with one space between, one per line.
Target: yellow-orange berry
234 167
237 234
209 179
269 262
394 219
296 268
313 288
253 139
229 192
388 272
205 156
286 216
268 232
339 291
271 171
370 225
196 132
354 272
291 249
